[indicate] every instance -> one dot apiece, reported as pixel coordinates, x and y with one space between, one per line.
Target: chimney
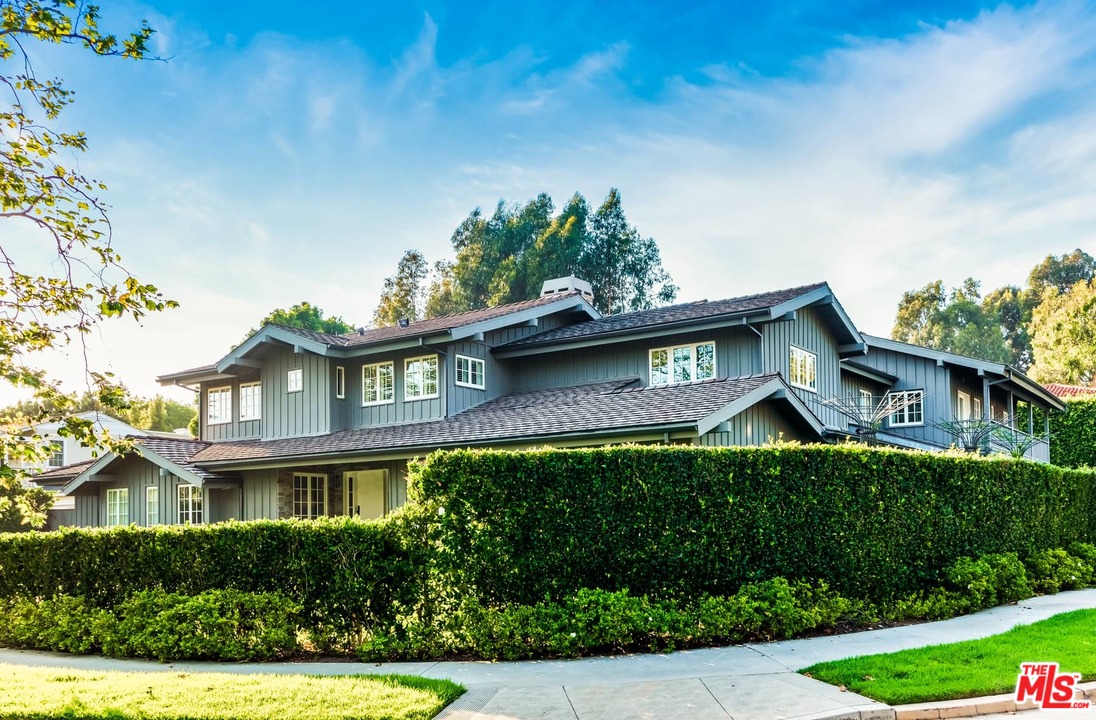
559 286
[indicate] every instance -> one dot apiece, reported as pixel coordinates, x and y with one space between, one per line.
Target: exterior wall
399 410
73 451
134 474
303 412
86 513
260 494
807 332
917 373
755 425
234 430
736 354
852 384
268 494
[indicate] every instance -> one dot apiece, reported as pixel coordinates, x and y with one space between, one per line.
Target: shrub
61 624
1074 434
1052 570
214 625
992 579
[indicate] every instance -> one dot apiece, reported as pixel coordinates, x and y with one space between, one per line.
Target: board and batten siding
302 412
736 354
400 410
235 429
461 398
917 373
806 332
135 474
86 511
756 425
260 494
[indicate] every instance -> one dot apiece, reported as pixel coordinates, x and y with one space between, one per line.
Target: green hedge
516 527
1073 435
346 574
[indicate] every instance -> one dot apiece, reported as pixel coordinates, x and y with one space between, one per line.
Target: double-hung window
57 457
152 505
117 507
470 372
251 401
914 411
867 403
190 505
420 378
219 406
803 369
309 496
378 385
683 363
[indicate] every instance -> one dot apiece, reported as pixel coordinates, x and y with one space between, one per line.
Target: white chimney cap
559 286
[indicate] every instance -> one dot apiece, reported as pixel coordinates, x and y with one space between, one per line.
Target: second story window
251 401
470 372
294 381
802 369
57 457
340 382
378 386
683 363
219 406
914 411
420 378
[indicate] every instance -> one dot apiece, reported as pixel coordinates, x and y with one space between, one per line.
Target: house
296 423
1070 392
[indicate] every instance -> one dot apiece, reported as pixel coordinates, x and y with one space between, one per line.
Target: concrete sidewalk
748 681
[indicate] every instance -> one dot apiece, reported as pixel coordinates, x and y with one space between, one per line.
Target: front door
364 494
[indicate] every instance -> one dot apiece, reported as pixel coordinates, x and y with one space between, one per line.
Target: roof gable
172 455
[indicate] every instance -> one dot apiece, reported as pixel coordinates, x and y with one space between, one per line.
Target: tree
955 322
52 204
403 295
1012 307
1060 273
307 317
1064 336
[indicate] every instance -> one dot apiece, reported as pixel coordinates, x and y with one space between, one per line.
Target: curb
972 707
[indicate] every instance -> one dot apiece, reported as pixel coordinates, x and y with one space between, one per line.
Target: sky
282 152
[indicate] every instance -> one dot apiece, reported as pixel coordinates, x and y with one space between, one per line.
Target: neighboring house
1070 392
297 423
68 451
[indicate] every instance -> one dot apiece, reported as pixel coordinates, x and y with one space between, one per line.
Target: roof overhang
867 372
775 389
850 341
95 472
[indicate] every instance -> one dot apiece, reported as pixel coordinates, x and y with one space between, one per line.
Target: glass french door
363 496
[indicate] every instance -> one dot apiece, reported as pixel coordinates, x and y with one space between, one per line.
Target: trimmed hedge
1073 434
344 573
516 527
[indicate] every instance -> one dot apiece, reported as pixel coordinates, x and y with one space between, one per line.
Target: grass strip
971 668
48 693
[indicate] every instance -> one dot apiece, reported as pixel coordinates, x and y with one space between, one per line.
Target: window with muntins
57 458
803 369
309 496
152 505
683 363
190 505
378 384
117 507
251 401
294 380
867 403
911 414
470 372
420 378
219 406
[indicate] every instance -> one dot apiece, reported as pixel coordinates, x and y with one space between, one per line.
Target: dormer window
803 369
470 372
683 363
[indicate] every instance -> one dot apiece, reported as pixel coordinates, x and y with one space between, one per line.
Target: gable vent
562 285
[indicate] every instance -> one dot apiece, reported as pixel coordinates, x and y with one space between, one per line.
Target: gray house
301 424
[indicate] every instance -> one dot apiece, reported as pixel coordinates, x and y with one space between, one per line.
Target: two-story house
303 424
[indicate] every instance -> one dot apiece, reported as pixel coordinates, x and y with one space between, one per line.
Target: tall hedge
1073 434
346 574
519 526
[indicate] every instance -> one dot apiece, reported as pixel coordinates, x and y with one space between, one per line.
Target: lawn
40 693
971 668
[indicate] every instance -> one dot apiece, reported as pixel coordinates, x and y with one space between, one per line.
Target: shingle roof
67 472
180 453
1070 391
599 407
701 309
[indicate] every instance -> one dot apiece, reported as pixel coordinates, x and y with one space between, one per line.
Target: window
962 405
309 496
420 378
867 403
294 380
152 505
911 414
219 406
251 401
802 369
976 409
117 507
340 382
190 505
683 363
57 458
378 384
469 372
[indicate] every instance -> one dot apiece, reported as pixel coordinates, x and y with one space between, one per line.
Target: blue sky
288 153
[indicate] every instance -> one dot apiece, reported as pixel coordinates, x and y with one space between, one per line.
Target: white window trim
294 373
326 499
389 401
814 358
123 494
670 360
152 490
976 411
868 406
228 406
56 447
259 411
340 382
437 379
471 360
179 503
905 411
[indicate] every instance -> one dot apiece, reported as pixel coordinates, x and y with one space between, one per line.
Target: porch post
987 414
1031 419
